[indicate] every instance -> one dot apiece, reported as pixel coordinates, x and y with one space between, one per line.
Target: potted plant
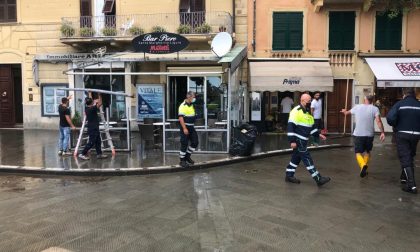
222 28
109 31
87 32
77 119
136 31
158 29
204 28
67 30
184 29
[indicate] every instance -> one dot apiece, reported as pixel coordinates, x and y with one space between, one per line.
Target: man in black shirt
91 111
65 124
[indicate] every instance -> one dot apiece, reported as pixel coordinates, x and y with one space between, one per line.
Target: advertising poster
256 107
149 101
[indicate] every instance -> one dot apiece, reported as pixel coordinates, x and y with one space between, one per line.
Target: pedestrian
404 116
316 111
299 128
91 111
64 126
187 116
286 106
365 114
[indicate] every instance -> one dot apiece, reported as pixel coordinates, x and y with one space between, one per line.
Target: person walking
64 126
404 116
299 128
187 116
91 111
316 111
366 114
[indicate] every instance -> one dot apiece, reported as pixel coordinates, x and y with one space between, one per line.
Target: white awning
396 72
291 76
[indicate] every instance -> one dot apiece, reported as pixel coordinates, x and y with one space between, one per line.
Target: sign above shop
160 43
409 68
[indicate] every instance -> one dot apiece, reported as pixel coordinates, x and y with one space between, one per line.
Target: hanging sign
149 101
160 43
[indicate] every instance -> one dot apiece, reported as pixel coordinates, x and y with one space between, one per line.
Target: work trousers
406 148
94 140
301 153
188 142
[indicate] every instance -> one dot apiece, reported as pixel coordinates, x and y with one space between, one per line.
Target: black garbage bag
244 139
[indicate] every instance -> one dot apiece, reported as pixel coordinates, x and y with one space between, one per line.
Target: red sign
409 68
160 43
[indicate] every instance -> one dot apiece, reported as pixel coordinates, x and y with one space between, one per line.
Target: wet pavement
240 207
38 149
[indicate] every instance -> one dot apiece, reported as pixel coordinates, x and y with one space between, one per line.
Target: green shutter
388 32
287 30
341 30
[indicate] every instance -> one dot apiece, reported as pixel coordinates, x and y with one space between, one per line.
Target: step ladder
84 138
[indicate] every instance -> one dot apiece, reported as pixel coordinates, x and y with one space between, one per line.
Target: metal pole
228 112
96 91
345 106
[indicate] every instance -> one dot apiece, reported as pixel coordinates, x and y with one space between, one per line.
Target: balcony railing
133 25
342 59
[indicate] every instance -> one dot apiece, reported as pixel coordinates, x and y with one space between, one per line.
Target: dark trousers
186 148
317 125
94 140
406 148
301 153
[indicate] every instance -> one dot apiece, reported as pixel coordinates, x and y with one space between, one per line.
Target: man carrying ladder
91 111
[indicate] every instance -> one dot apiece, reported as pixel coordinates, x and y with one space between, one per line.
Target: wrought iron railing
133 25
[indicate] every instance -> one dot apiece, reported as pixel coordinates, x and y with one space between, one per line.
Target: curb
151 170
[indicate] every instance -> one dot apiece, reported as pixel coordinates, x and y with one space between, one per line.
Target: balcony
122 28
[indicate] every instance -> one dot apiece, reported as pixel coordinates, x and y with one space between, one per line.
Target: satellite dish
221 44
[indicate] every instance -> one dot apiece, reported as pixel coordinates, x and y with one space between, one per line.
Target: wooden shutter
108 6
197 5
8 11
388 32
341 30
85 8
287 30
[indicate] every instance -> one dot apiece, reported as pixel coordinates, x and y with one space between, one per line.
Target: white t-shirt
365 119
286 104
317 106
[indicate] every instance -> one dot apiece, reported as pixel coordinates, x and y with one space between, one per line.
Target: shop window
341 30
287 30
8 11
388 32
51 98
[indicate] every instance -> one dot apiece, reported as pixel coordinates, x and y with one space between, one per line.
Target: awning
396 72
303 75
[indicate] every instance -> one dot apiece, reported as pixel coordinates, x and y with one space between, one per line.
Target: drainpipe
234 17
254 30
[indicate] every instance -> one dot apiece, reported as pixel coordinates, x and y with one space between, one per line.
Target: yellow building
335 46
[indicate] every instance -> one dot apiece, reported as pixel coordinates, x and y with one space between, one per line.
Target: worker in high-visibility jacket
187 116
299 128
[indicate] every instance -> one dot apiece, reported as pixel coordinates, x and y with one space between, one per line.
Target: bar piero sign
159 43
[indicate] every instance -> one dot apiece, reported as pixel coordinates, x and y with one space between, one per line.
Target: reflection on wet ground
242 207
38 148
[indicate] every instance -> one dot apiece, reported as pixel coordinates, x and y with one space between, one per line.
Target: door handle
4 94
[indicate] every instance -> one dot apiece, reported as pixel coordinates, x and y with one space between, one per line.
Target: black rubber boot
189 160
320 180
410 187
403 178
183 163
293 180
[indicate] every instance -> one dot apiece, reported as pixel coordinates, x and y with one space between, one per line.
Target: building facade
334 47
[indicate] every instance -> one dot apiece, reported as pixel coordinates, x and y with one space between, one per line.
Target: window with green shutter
388 32
341 30
287 30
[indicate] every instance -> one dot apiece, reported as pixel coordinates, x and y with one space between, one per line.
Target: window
8 11
51 98
388 32
108 6
341 30
287 30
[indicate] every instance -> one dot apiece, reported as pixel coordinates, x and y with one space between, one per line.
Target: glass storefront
387 97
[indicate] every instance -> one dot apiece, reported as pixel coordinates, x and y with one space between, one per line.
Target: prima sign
159 43
409 68
292 81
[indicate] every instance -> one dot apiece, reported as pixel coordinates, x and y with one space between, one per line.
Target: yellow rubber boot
366 158
360 160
